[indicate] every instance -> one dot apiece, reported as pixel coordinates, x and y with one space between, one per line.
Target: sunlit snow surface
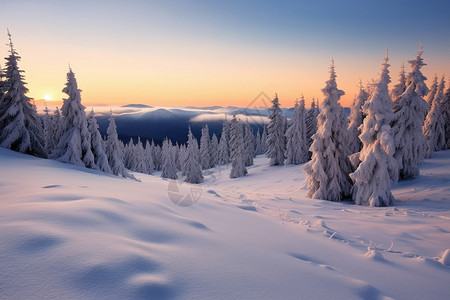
69 232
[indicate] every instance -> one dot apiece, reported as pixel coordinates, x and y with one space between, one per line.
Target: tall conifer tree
276 143
329 168
410 110
74 147
372 184
20 126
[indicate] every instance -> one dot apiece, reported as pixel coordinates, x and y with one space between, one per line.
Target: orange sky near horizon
201 80
217 53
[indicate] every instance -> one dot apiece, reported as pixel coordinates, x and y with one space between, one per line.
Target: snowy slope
69 232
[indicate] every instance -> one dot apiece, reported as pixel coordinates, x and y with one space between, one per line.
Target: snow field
70 232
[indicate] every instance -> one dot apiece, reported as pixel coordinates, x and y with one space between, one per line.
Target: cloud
200 115
217 117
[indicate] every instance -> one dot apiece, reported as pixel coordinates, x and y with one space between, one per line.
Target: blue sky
226 44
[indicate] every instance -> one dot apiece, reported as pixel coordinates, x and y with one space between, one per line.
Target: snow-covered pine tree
433 90
20 126
192 161
297 145
129 156
356 119
114 151
249 145
49 132
311 123
275 135
264 140
97 145
154 151
372 185
141 165
258 143
238 168
224 151
169 168
286 124
57 125
254 143
177 156
410 110
2 83
329 168
205 157
148 158
183 159
400 87
74 147
157 156
434 126
213 150
445 108
3 90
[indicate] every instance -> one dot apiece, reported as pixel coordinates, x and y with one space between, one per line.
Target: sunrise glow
223 53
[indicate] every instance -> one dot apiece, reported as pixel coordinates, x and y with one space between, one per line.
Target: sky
205 53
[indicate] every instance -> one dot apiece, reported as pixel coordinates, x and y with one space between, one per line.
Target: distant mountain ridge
156 123
137 105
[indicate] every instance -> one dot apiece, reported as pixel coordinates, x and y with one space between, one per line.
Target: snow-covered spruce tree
286 125
2 93
169 168
410 109
49 132
311 123
141 165
114 151
213 150
205 157
238 168
264 140
433 90
356 119
153 150
129 156
192 161
275 135
224 151
372 184
148 159
177 150
157 156
183 159
97 145
258 143
249 145
433 128
297 146
329 168
400 87
445 108
3 90
74 147
2 83
57 125
20 126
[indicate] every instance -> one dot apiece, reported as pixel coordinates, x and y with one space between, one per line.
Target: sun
47 97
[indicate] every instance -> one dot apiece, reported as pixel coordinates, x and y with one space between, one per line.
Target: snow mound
374 254
445 260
